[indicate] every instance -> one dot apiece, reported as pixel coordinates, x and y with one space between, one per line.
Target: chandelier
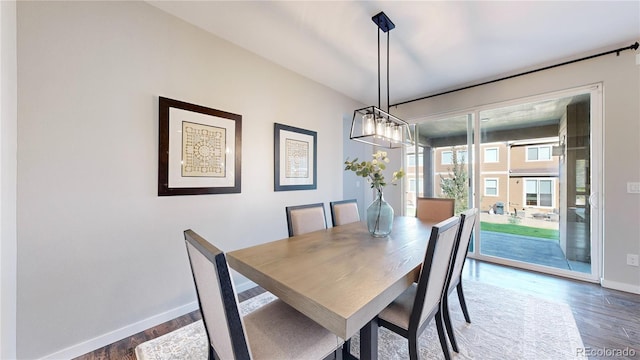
371 124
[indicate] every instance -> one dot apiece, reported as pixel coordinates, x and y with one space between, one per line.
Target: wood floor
608 320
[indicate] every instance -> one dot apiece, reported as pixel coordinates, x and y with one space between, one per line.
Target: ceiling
436 45
538 119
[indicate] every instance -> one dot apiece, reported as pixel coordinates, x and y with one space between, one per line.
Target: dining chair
344 212
273 331
410 313
302 219
467 223
434 209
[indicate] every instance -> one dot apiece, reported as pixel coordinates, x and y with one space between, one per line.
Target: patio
546 252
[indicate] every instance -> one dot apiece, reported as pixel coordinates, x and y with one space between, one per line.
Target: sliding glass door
531 169
444 165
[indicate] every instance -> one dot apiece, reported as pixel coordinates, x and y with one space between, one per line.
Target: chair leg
346 349
463 304
448 325
442 336
413 347
336 355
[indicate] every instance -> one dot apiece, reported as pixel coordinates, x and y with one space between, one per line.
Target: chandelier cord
379 101
388 101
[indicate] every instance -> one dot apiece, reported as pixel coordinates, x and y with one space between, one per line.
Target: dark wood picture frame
218 132
295 158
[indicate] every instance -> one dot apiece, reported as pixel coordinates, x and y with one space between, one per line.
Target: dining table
341 277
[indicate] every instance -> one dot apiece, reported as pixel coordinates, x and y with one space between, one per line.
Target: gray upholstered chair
274 331
344 212
414 309
302 219
467 223
434 209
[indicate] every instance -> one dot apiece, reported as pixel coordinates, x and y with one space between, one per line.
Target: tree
456 185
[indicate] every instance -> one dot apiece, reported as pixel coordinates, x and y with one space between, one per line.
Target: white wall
98 250
8 137
355 187
620 76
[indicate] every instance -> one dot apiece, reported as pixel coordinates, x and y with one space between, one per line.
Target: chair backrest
302 219
217 299
436 270
344 212
434 209
467 223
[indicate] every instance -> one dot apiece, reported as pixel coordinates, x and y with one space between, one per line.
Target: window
491 187
539 153
412 185
447 158
539 192
491 155
411 160
462 156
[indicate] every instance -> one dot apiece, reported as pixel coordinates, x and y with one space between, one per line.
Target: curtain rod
617 51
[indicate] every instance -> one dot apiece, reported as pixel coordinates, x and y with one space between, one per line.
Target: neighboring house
515 176
412 185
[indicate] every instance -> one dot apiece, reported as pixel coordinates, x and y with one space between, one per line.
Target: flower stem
377 227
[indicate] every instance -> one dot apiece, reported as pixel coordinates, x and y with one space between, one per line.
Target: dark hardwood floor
608 320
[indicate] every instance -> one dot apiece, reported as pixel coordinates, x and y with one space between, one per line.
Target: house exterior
515 176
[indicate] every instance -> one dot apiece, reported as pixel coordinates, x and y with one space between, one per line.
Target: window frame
497 187
538 199
526 155
466 156
497 160
442 157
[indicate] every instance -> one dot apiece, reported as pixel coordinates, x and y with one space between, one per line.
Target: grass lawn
521 230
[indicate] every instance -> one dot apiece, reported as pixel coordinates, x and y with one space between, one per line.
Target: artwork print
203 150
295 154
297 158
199 149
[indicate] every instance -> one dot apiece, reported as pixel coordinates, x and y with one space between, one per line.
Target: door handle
593 200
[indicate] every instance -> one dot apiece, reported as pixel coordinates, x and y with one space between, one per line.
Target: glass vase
379 216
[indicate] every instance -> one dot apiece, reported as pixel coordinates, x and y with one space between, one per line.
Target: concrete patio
534 250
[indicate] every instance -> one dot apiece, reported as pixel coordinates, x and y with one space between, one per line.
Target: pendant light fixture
371 124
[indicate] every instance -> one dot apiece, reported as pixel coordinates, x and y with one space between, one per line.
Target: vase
379 216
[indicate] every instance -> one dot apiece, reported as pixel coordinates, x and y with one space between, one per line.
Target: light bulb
380 126
388 132
368 127
397 135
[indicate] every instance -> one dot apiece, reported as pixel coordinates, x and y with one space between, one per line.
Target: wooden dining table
340 277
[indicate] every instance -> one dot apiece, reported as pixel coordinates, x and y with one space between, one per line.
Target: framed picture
199 150
295 155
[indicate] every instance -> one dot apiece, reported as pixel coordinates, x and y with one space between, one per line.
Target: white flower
372 170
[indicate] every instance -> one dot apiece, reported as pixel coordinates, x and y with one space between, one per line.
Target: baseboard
634 289
132 329
119 334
